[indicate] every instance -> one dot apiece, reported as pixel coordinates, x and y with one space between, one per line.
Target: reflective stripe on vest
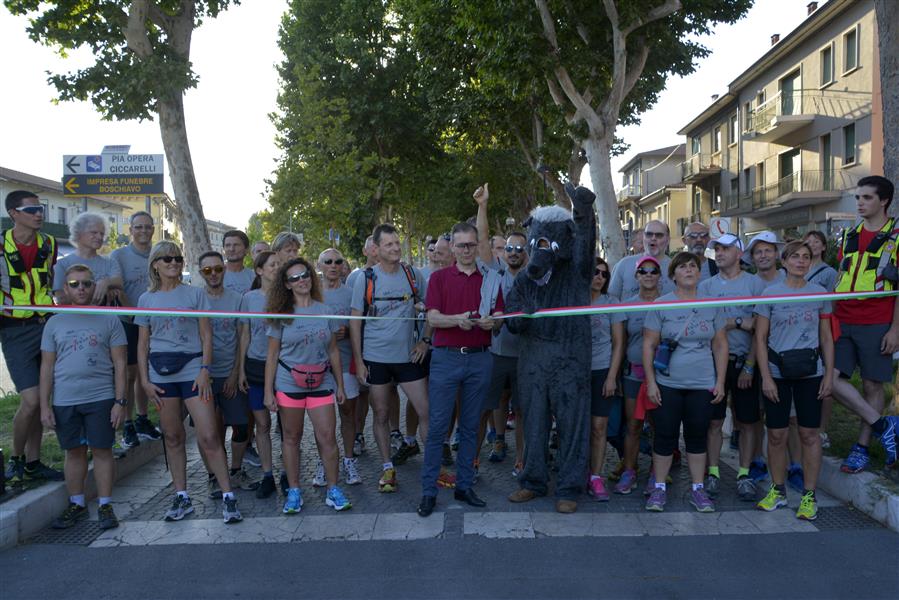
872 270
21 287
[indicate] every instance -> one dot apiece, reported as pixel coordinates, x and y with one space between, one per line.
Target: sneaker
773 500
243 481
106 518
735 440
712 485
650 485
213 487
251 457
446 480
888 439
405 452
857 460
825 440
701 501
230 512
758 470
498 454
42 472
615 475
337 500
15 470
130 438
266 487
396 440
145 428
627 482
510 420
283 483
294 502
517 469
447 459
351 471
795 479
597 488
387 482
808 507
746 489
319 479
69 516
454 442
657 500
181 507
359 445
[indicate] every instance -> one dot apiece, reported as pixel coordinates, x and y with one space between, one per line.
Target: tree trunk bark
189 211
887 12
611 238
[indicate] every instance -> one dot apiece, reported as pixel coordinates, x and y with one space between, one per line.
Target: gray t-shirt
692 364
601 335
505 343
634 320
304 342
780 278
824 275
624 284
389 341
745 285
103 267
239 281
174 334
83 371
338 301
224 333
254 302
134 268
353 276
793 325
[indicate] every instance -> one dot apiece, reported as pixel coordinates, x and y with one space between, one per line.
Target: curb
33 510
876 496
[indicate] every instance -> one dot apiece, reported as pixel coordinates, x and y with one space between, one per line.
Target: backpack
369 296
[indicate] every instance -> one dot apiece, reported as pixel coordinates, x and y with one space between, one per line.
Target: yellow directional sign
112 185
72 186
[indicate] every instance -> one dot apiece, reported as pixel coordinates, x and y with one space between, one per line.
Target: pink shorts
309 402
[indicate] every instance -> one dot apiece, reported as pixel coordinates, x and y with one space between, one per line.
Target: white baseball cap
728 239
766 236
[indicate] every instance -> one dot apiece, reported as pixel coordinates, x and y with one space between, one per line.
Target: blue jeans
451 372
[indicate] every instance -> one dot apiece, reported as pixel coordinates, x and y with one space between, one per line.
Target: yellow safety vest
20 287
874 269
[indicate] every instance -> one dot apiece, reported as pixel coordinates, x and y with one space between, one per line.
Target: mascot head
550 241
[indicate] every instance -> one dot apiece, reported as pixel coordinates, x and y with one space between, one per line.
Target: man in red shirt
461 302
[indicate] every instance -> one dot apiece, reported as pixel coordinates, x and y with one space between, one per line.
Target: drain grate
843 517
81 534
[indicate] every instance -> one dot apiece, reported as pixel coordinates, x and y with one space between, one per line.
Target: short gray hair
80 224
284 238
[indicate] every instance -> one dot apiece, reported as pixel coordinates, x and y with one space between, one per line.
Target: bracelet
205 367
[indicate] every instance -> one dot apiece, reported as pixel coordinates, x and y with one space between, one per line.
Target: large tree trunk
189 211
611 238
887 12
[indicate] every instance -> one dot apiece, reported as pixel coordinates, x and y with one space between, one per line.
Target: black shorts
600 406
744 403
234 409
504 377
859 346
803 393
21 343
132 334
386 373
85 425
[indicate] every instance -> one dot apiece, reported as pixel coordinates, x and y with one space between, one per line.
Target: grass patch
51 453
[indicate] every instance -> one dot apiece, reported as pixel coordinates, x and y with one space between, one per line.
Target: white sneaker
351 471
319 479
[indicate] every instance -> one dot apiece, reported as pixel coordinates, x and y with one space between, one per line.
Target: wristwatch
121 401
426 340
739 322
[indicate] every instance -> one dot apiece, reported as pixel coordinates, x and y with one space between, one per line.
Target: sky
229 131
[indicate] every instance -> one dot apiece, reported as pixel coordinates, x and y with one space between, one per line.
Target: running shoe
758 470
746 489
615 475
387 483
650 485
130 438
294 502
181 507
15 470
498 454
446 480
106 518
447 459
42 472
396 440
517 469
795 479
597 488
230 512
808 507
405 452
773 500
351 471
337 500
888 439
251 457
242 480
701 501
454 442
657 500
70 516
858 459
213 487
266 487
627 482
319 479
510 420
712 485
359 445
145 428
825 440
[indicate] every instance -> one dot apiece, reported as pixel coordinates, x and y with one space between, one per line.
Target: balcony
802 189
629 192
787 113
699 166
57 230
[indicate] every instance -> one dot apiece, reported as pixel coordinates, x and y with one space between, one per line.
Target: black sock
780 488
211 475
32 464
878 426
233 471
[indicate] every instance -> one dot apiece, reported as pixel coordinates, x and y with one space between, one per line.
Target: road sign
113 164
112 185
719 226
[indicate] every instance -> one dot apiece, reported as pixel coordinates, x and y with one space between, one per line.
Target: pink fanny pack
309 377
637 372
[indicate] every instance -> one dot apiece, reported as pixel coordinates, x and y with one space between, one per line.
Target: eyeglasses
299 277
601 273
654 234
514 249
696 235
168 259
332 261
647 271
83 283
141 227
467 246
217 269
31 209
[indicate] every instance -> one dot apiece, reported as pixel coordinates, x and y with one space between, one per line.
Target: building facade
216 234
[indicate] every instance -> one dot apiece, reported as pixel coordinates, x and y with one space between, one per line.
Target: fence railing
804 181
808 102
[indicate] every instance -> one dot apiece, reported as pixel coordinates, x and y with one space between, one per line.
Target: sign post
115 173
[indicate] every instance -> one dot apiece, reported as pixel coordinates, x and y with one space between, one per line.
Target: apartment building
784 148
217 232
652 190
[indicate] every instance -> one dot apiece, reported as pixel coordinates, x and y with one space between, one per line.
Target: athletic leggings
693 408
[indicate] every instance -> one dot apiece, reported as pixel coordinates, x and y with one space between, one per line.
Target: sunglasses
332 261
514 249
31 209
299 277
467 246
654 234
647 271
82 283
210 270
696 235
600 273
169 259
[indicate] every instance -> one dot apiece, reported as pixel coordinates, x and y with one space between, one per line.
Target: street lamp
510 224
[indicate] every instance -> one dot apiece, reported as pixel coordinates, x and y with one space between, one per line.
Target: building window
694 145
716 140
826 154
716 198
827 71
849 149
747 116
747 188
733 131
735 187
697 201
850 50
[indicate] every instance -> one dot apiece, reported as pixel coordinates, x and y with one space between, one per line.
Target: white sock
77 499
104 500
183 494
594 477
697 486
661 486
387 465
227 495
